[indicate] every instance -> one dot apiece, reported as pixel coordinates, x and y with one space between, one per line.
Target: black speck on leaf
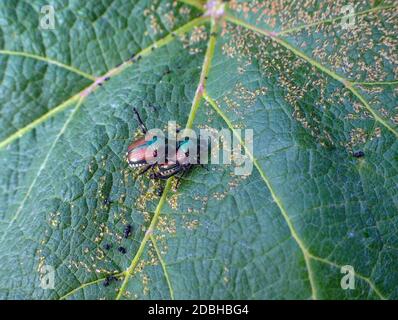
358 154
159 191
108 280
127 231
112 278
122 250
106 202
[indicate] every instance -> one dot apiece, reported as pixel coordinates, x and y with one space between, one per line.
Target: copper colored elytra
143 152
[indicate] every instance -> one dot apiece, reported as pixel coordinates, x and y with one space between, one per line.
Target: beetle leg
141 123
184 170
154 175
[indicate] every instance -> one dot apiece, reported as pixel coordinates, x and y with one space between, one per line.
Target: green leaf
313 92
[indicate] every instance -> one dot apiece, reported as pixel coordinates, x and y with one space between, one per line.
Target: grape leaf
317 87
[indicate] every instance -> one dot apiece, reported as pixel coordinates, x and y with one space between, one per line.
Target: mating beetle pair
144 152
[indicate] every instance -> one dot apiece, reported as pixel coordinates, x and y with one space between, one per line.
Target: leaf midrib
194 108
80 97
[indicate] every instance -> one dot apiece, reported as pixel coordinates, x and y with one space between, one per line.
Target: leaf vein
195 105
307 254
113 72
41 168
347 83
330 20
273 194
49 61
164 267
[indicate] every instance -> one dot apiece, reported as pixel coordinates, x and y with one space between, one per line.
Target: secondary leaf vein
49 61
195 105
348 84
113 72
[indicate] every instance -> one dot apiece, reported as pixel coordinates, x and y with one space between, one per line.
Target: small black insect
159 191
106 202
127 231
107 78
100 84
206 78
112 278
138 58
122 250
153 48
107 246
132 56
358 154
108 280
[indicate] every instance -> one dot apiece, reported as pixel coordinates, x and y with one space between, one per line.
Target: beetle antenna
141 123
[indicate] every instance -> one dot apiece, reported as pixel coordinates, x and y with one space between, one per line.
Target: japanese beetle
179 163
182 162
358 154
142 153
